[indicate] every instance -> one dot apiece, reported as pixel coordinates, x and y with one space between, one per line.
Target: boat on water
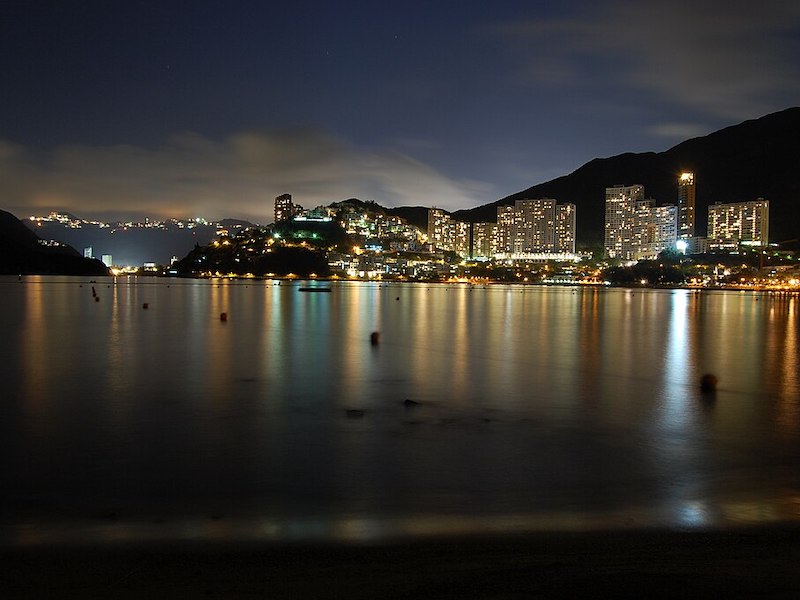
315 289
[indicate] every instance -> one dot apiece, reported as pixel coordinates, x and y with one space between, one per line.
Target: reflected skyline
548 406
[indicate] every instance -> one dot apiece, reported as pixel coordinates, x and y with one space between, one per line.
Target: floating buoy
97 298
374 338
223 316
145 305
708 382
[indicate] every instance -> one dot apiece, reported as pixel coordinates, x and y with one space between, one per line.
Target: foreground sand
747 563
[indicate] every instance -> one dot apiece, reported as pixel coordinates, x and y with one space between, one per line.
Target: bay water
480 409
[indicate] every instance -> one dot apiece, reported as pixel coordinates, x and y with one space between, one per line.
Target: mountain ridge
756 158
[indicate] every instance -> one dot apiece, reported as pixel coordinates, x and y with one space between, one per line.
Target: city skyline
542 229
114 110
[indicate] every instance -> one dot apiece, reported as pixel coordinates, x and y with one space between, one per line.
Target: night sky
212 109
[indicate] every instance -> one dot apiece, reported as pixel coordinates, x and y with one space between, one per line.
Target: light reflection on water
537 408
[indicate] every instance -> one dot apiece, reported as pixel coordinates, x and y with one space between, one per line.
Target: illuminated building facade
619 222
565 228
738 223
505 228
656 229
686 206
460 238
484 240
438 225
285 209
446 233
534 227
635 228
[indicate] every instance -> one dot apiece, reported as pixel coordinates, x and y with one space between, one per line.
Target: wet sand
745 563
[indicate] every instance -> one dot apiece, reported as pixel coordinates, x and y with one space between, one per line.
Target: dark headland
22 252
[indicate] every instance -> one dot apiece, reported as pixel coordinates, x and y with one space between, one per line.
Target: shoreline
278 280
742 563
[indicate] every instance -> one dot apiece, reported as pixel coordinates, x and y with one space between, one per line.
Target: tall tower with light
686 203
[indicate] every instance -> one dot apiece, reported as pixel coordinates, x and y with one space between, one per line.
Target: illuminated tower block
686 202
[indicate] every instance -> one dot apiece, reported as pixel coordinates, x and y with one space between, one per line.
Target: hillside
22 253
758 158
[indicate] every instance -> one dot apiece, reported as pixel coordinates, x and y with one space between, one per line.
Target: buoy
374 338
145 305
708 382
97 298
223 316
398 298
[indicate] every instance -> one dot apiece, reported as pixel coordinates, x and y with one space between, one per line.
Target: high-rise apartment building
535 227
738 222
447 233
565 228
656 229
686 206
484 240
438 225
460 238
635 228
285 209
505 229
619 223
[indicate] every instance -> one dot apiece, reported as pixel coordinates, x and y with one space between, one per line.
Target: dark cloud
433 103
731 60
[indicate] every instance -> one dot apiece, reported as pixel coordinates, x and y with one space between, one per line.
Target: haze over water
533 409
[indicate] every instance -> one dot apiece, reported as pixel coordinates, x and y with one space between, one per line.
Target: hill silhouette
21 252
755 159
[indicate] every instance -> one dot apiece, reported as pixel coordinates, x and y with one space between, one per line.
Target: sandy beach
745 563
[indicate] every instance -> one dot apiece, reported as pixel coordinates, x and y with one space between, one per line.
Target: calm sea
481 409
